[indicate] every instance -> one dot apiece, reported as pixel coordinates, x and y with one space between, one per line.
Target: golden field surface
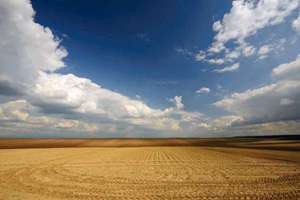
240 169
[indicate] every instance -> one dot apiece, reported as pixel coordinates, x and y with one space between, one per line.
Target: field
241 168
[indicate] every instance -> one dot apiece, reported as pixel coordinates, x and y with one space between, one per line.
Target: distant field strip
147 173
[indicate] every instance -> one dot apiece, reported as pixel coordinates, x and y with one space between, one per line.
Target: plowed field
149 173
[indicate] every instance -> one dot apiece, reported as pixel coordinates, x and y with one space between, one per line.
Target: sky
162 68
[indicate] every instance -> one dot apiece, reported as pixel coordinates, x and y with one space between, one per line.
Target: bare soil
240 168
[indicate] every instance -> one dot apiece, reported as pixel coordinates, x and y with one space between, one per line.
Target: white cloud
288 71
233 54
44 99
21 114
247 17
83 96
264 51
30 55
231 68
274 102
296 24
247 50
217 61
244 49
15 110
272 47
263 104
26 47
177 100
201 55
203 90
244 20
216 47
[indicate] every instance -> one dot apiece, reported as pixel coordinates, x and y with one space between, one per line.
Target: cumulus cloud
274 102
177 100
246 49
21 114
203 90
288 70
244 20
42 98
243 48
231 68
81 95
263 104
247 17
26 47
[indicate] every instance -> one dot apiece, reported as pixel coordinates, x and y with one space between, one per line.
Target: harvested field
159 172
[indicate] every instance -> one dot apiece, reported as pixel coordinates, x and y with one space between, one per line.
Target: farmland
246 170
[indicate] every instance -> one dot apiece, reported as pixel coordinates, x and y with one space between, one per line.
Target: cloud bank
36 97
278 101
42 98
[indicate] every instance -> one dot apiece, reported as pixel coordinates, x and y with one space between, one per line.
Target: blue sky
130 47
217 59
